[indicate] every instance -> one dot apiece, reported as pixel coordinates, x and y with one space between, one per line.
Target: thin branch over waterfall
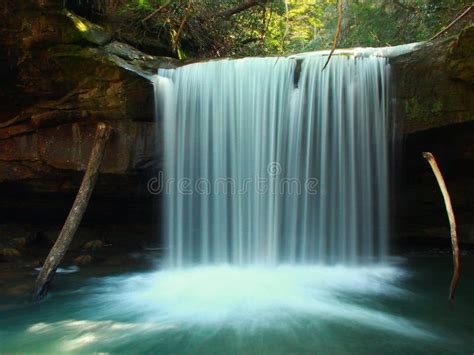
338 31
464 13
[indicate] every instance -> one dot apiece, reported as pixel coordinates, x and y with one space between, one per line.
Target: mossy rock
94 245
89 31
83 260
19 242
10 253
461 58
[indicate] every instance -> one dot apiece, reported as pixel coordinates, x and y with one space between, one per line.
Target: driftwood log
74 218
452 222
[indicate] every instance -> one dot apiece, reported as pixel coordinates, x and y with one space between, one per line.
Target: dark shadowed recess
420 215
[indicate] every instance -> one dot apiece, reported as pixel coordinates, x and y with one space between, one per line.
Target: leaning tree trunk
75 215
452 222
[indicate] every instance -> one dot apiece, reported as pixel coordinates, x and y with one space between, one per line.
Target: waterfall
274 161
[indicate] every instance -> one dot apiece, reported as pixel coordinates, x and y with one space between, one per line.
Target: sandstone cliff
58 79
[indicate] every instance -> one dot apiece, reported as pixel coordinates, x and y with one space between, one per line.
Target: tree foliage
388 23
204 28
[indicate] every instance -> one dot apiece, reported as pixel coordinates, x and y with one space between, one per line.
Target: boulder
433 86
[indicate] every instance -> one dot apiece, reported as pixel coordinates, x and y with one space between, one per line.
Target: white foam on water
259 297
60 270
80 334
206 299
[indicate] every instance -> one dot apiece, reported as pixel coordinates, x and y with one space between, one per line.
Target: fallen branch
183 22
242 7
338 32
452 222
287 26
464 13
75 215
161 8
158 10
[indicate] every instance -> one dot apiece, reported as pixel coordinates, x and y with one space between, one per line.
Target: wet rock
10 254
90 31
94 245
129 57
83 260
19 242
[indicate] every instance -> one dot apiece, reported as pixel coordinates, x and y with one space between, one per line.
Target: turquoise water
399 308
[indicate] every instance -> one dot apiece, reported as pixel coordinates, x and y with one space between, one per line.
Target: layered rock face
60 75
434 86
56 87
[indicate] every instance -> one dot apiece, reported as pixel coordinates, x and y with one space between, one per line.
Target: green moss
437 107
89 31
413 109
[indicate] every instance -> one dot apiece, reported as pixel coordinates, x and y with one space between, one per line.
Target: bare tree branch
183 23
452 222
160 9
287 26
74 218
338 32
464 13
242 7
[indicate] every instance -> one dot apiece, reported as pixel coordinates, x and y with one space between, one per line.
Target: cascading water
273 160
